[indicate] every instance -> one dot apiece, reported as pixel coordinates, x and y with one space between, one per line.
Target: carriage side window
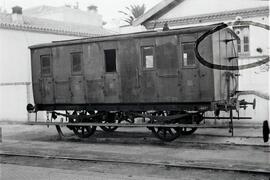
188 54
76 59
45 62
110 60
148 56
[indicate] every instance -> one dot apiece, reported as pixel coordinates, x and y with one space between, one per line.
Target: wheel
166 133
82 131
108 128
188 131
197 118
109 118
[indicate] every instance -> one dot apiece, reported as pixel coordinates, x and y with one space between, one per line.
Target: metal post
231 122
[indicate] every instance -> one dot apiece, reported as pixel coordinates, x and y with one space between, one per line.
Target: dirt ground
207 147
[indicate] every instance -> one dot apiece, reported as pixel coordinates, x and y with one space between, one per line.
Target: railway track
126 162
196 139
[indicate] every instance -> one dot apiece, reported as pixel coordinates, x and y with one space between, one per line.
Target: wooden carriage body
132 72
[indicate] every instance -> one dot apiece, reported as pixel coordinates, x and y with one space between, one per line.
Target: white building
253 44
17 32
66 14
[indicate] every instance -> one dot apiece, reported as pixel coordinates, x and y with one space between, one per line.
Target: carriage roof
144 34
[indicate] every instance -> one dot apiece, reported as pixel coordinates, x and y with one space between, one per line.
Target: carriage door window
148 57
188 55
76 63
110 60
45 62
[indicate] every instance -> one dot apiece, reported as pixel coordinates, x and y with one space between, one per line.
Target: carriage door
190 84
111 76
167 68
148 78
77 80
46 76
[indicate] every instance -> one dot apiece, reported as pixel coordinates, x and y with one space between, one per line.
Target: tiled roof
51 26
205 18
166 6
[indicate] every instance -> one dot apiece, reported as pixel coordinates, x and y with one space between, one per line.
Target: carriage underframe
167 121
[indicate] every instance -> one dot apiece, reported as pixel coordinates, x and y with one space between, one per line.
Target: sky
107 8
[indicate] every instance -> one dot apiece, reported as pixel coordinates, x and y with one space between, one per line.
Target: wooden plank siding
129 64
221 52
168 81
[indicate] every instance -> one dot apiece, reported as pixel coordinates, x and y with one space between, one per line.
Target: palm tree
133 12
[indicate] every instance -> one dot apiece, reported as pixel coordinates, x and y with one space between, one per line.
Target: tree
133 12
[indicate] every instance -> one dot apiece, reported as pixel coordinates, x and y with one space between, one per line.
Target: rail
159 164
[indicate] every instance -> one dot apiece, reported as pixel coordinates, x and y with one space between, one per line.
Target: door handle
138 77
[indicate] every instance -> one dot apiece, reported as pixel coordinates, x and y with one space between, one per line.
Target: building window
76 59
45 61
110 60
148 57
188 54
243 42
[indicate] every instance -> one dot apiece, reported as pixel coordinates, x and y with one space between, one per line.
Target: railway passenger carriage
134 70
149 74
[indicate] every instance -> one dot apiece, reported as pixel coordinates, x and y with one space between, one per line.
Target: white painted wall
196 7
13 101
15 68
256 79
131 29
259 37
